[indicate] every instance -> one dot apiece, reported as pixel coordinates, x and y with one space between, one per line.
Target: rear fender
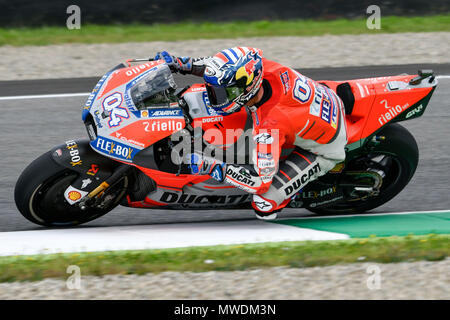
398 100
416 110
78 156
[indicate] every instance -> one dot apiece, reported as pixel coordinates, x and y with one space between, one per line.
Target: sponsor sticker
94 92
85 183
240 177
197 89
267 172
262 155
285 81
213 119
73 195
97 119
263 163
314 107
119 135
263 138
267 177
208 103
93 170
325 109
414 111
391 111
184 198
302 180
138 69
58 152
262 204
163 125
75 159
316 204
334 118
114 149
165 113
314 194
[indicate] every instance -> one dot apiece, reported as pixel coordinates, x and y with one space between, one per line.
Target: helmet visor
220 96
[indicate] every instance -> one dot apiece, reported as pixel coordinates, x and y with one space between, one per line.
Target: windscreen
155 90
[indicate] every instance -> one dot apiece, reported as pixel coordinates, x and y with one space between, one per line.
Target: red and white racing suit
296 114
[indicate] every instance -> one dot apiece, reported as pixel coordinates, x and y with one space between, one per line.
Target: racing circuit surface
31 127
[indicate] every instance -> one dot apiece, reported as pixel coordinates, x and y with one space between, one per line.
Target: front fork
94 197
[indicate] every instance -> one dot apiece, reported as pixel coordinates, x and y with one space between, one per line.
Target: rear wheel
39 195
396 158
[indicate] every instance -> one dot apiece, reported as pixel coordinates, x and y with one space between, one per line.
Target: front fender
78 156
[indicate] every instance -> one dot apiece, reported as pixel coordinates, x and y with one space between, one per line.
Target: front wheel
39 195
397 156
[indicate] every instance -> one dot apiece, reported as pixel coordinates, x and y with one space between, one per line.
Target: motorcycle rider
289 111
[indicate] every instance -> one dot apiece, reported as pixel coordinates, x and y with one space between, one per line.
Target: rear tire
39 195
399 145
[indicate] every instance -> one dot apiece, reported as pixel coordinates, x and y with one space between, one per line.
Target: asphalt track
30 127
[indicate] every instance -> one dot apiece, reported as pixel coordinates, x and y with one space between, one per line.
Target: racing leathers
299 134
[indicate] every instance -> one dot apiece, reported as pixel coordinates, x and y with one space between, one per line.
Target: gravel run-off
90 60
414 280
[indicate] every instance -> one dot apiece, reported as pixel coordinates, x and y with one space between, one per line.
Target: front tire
39 195
401 149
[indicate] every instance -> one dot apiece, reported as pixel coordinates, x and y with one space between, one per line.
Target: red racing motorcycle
133 117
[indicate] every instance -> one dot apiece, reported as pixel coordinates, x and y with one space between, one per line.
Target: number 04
302 90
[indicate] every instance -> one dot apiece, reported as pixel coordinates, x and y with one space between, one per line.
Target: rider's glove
176 64
202 165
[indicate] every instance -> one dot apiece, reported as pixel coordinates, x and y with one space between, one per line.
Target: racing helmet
233 77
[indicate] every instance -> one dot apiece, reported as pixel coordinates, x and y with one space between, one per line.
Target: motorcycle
128 159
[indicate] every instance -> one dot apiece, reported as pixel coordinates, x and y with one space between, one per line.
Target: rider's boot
266 215
266 209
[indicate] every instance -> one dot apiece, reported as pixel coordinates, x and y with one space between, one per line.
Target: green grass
190 30
227 258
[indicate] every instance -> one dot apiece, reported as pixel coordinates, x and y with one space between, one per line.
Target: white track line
68 95
366 215
155 237
46 96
